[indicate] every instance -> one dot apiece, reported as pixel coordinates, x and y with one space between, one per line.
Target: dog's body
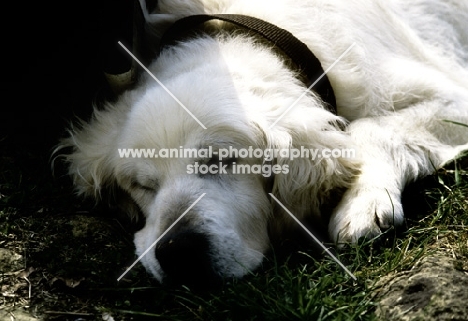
400 90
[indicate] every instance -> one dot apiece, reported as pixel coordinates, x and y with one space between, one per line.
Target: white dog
402 99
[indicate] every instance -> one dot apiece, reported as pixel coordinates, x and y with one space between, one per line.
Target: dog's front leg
394 150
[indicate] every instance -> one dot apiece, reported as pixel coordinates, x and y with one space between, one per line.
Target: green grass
77 252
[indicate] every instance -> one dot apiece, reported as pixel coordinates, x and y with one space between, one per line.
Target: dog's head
225 232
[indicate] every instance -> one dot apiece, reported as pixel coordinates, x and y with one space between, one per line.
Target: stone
433 290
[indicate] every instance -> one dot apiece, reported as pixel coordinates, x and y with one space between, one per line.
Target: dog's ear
327 160
89 151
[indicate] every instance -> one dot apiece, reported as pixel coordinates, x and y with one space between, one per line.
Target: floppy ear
310 180
93 156
90 161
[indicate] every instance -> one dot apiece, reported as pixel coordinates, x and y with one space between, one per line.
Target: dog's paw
365 212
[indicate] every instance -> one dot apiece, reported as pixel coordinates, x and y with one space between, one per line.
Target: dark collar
283 39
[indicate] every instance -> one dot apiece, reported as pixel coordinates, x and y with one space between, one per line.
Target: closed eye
229 161
144 187
215 161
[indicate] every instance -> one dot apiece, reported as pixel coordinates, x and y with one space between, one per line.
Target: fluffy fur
398 92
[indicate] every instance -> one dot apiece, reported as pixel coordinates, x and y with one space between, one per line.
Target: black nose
185 259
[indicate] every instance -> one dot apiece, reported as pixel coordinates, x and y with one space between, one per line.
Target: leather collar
295 49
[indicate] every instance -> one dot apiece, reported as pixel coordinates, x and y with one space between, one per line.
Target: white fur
405 76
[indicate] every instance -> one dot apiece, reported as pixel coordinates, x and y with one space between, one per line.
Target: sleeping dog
221 139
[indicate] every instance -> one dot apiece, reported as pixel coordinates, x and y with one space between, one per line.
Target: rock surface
435 289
